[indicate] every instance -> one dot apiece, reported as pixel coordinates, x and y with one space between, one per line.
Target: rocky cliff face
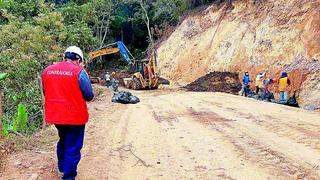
254 36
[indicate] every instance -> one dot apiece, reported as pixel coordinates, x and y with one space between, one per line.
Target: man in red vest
67 88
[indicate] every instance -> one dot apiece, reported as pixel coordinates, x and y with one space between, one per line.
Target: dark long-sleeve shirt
85 86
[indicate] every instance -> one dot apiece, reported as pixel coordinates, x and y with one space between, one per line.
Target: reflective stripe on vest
283 83
64 103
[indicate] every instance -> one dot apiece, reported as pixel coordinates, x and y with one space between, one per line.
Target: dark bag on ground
125 97
293 101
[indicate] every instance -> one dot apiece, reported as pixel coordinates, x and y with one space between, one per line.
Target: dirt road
185 135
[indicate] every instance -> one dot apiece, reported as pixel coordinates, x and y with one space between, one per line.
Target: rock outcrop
254 36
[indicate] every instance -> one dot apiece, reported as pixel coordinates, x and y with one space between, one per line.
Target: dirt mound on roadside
217 82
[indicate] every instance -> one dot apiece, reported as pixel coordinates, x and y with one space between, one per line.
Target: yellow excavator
145 78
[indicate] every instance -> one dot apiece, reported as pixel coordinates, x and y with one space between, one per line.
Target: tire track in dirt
223 153
183 135
308 168
148 134
264 156
304 134
257 150
296 129
95 162
300 132
119 147
135 151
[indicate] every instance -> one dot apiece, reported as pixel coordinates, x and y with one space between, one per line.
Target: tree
146 21
168 11
105 14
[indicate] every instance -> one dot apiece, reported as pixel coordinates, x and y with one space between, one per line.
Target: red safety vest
64 103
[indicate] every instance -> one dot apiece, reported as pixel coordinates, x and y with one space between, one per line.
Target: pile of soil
217 82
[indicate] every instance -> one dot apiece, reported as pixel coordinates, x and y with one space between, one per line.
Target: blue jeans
68 149
263 95
257 89
283 97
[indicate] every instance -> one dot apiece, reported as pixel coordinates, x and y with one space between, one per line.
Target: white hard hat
76 50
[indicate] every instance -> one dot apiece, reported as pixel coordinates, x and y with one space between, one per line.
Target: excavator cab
147 78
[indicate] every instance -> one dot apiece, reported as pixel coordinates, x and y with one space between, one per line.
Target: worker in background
268 95
272 88
259 82
114 83
107 78
245 84
67 88
284 82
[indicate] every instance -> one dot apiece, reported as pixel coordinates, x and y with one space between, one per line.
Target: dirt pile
217 82
254 36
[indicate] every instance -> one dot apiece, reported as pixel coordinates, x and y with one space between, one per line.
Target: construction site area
174 134
187 114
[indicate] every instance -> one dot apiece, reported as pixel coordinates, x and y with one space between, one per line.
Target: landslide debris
272 36
227 82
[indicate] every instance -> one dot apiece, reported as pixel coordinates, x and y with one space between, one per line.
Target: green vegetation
19 123
32 37
34 34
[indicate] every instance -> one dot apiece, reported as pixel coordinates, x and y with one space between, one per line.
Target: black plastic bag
125 97
134 99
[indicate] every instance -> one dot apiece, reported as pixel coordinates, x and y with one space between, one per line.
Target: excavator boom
101 52
110 49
